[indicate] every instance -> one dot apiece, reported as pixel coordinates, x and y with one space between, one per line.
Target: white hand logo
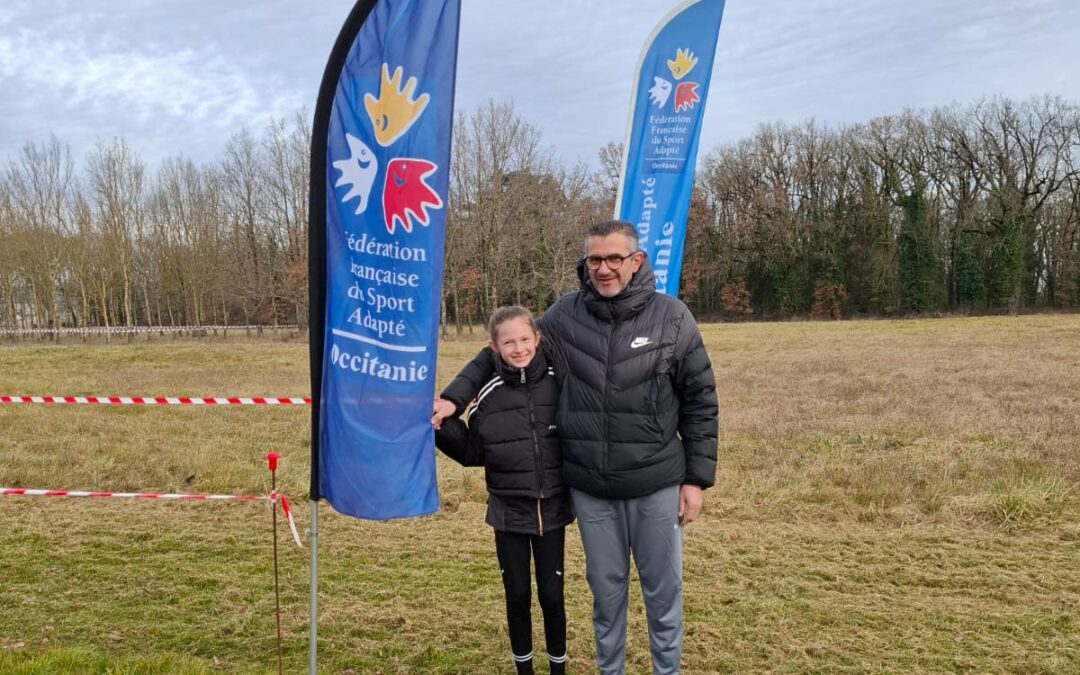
660 92
359 171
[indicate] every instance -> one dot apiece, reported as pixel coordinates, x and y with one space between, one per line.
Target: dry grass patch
892 497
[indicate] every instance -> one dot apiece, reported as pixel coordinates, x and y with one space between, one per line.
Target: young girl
511 433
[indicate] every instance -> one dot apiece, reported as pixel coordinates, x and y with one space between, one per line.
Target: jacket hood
630 301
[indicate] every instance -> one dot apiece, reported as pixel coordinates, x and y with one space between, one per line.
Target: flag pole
317 286
428 21
313 591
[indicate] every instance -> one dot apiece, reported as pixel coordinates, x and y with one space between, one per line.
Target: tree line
962 208
972 208
111 244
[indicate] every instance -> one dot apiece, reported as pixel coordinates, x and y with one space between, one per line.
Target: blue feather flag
660 152
380 167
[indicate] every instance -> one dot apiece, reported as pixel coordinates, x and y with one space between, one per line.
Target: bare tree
116 181
285 181
40 182
244 205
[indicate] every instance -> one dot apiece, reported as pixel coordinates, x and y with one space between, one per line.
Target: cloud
83 77
90 74
177 76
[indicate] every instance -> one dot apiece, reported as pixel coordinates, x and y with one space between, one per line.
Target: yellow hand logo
684 62
395 110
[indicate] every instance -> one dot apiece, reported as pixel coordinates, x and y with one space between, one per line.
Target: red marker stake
271 461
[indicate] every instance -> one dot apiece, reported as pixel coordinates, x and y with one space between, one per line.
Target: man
638 424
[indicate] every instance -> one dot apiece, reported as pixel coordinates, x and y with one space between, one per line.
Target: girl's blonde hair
504 314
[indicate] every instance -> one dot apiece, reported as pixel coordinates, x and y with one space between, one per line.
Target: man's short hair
608 227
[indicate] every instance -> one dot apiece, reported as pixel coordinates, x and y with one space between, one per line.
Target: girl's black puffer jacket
511 432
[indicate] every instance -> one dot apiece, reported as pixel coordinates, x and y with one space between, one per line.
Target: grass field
892 497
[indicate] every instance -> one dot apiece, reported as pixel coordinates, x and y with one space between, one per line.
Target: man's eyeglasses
614 261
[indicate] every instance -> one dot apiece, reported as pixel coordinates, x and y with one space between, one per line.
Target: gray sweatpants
649 527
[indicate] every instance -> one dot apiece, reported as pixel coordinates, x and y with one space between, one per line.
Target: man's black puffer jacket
638 410
511 433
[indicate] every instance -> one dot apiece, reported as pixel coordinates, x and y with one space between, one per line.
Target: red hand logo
406 196
686 96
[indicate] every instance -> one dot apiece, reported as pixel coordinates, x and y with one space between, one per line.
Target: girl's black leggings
513 551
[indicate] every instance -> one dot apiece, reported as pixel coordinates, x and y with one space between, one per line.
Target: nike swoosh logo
640 342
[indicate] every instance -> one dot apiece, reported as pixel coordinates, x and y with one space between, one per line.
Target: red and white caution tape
158 400
288 514
273 497
121 330
26 492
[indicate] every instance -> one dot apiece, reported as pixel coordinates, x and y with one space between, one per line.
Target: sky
179 77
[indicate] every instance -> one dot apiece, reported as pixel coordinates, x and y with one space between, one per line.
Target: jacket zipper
536 450
607 386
